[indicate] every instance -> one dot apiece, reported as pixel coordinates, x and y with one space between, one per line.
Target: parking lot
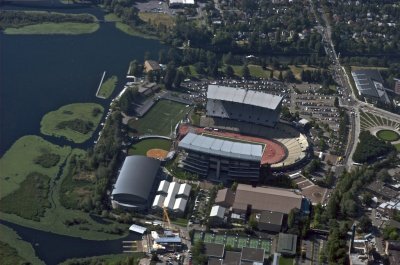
200 210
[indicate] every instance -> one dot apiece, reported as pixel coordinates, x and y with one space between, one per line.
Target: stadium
240 133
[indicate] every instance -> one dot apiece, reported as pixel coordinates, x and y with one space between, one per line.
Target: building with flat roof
173 196
287 244
217 215
180 3
381 189
269 221
243 105
259 199
217 255
136 183
225 197
369 84
205 156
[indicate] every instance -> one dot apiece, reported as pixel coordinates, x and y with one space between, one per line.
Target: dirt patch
157 153
84 176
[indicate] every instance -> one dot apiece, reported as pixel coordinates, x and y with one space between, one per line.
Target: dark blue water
40 73
53 248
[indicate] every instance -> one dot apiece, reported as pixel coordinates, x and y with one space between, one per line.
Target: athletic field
145 145
160 118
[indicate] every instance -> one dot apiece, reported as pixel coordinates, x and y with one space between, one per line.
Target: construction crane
166 218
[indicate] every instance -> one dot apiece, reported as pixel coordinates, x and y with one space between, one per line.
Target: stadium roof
240 95
266 199
137 176
225 148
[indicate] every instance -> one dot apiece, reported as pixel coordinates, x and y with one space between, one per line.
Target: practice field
161 117
142 147
388 135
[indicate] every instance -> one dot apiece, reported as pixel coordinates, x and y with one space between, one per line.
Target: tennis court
230 240
266 245
219 239
242 242
254 243
208 238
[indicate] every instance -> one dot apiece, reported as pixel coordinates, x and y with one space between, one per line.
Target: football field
160 118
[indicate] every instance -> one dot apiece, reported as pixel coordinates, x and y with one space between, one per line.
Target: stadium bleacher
295 143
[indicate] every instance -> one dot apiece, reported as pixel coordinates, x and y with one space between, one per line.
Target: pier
101 82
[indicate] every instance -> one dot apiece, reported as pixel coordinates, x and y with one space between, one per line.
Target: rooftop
225 148
240 95
287 243
266 199
214 250
253 254
225 196
217 211
270 217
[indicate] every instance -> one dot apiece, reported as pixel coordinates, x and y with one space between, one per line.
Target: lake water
40 73
53 248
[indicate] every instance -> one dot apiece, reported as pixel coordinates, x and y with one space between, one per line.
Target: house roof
240 95
225 196
231 258
270 217
217 211
218 147
214 250
266 199
253 254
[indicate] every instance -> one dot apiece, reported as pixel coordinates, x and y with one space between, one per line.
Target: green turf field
159 120
285 261
143 146
388 135
108 86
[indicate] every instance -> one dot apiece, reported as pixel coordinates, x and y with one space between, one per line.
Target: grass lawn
143 146
76 122
107 259
13 249
296 69
65 28
156 19
126 28
180 221
18 162
30 200
159 119
397 147
56 216
285 261
388 135
108 87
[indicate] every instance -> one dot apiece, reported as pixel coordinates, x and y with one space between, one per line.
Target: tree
336 102
170 74
365 224
280 77
246 72
253 222
229 71
178 79
271 74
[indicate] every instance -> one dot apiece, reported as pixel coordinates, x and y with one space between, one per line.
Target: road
348 99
